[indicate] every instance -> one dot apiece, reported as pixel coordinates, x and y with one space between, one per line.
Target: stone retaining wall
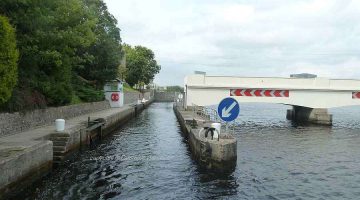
133 97
219 155
26 161
11 123
165 96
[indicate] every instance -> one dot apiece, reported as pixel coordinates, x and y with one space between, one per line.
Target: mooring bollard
213 131
217 127
203 129
60 125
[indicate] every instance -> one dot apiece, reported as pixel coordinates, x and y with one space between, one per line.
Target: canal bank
148 158
213 154
28 156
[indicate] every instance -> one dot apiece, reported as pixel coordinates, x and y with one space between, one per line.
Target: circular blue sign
228 109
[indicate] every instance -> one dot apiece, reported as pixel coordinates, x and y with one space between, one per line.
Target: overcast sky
244 38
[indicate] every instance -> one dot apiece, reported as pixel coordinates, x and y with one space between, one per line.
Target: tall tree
141 64
106 51
8 59
68 48
50 34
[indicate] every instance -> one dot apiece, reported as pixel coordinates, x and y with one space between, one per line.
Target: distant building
303 75
200 72
161 88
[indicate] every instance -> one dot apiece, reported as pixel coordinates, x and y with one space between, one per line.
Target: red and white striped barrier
259 93
356 95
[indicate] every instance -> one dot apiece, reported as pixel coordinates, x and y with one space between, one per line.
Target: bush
8 60
24 99
87 92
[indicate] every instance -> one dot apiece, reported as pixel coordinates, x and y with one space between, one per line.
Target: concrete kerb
24 165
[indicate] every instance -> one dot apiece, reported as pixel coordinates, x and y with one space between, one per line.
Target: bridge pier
311 115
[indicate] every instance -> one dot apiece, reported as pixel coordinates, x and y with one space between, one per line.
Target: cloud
246 38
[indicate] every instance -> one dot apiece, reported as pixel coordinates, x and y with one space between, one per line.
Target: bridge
310 97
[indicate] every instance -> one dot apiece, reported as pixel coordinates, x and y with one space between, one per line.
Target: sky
244 37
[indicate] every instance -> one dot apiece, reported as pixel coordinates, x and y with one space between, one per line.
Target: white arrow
282 93
252 93
243 92
263 93
272 93
226 111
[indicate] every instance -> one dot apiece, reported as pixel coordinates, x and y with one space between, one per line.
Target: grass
127 88
75 100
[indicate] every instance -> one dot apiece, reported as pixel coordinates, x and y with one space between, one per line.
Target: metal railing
179 102
206 113
211 114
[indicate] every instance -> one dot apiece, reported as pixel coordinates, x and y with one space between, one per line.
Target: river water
149 159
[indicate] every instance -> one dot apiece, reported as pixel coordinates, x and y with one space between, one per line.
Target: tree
68 49
8 60
175 88
50 35
122 70
106 51
141 64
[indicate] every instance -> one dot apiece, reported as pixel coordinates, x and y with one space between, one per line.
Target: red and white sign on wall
356 95
259 93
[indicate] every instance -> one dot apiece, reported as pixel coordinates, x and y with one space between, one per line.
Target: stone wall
16 122
132 97
219 155
25 161
165 96
11 123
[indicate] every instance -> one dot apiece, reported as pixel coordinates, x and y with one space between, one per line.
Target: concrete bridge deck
309 96
306 92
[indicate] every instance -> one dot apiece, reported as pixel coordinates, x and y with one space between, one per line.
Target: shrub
87 92
24 99
8 60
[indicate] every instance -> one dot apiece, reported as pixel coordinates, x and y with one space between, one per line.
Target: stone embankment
219 155
30 146
12 123
165 96
29 155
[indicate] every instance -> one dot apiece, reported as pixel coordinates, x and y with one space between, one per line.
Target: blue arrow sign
228 109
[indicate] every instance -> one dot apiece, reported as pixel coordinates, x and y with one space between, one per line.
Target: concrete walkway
42 133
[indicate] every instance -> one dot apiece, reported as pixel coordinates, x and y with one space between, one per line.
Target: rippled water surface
149 159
